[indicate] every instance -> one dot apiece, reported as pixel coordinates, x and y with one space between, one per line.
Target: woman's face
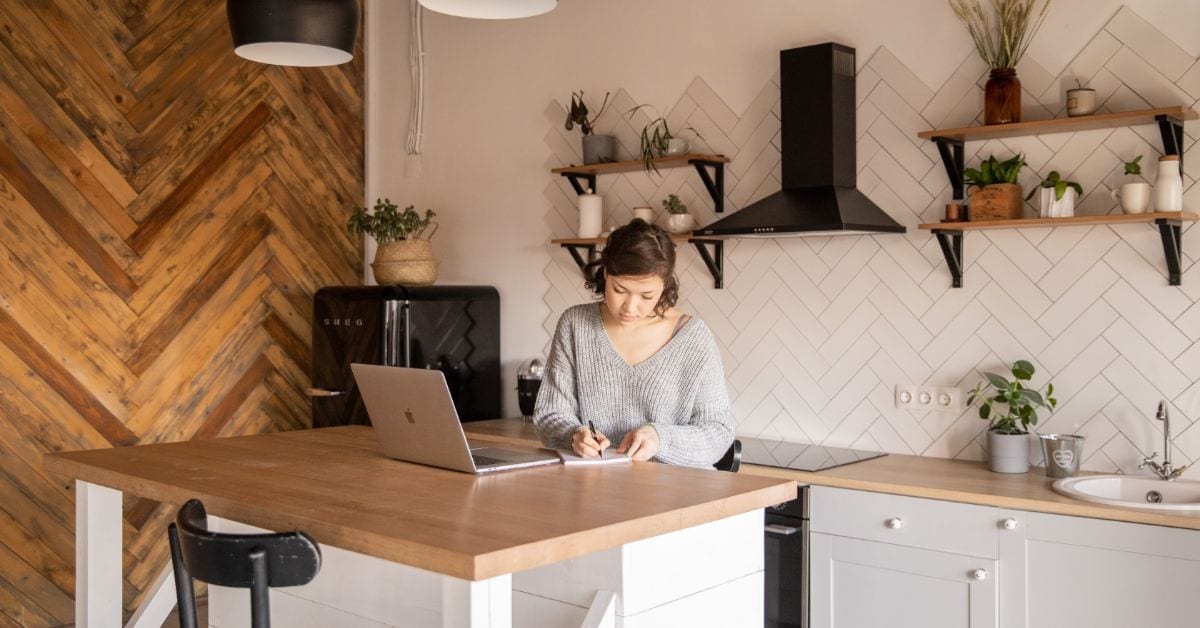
631 298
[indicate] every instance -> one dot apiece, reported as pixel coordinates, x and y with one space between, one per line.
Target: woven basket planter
406 263
999 201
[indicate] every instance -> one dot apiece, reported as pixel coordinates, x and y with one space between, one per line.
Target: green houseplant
596 148
1001 35
404 255
994 191
657 140
678 218
1010 407
1134 195
1056 196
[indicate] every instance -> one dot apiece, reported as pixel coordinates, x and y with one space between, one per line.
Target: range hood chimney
817 102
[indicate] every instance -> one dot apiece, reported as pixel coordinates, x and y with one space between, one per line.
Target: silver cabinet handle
979 574
894 523
775 528
324 392
1010 524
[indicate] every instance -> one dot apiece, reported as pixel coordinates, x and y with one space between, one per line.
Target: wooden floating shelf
710 248
1107 219
677 237
1061 125
1170 228
675 161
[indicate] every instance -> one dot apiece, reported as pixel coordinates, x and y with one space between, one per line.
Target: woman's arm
556 412
703 437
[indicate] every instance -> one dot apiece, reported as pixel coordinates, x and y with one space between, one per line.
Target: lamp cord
416 115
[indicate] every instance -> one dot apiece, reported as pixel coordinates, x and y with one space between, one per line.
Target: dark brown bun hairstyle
637 249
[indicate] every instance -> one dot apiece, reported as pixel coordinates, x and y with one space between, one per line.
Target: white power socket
928 398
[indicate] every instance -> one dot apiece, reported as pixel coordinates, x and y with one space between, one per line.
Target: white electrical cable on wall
416 116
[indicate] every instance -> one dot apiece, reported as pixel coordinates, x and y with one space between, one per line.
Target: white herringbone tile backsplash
816 332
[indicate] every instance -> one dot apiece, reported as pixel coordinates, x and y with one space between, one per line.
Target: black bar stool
253 561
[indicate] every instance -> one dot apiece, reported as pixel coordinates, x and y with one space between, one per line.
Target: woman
643 373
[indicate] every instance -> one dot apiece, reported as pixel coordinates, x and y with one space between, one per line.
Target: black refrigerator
455 329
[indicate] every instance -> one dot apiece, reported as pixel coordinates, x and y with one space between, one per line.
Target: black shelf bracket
715 184
714 261
574 250
1171 232
574 178
1171 130
951 241
951 151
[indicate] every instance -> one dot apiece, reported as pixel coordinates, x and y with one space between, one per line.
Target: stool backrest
292 558
732 460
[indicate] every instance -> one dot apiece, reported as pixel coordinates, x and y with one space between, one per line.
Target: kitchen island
408 545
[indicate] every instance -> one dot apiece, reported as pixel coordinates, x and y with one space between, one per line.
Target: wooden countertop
334 484
919 476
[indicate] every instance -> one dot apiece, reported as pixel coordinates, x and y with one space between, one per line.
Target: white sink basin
1132 491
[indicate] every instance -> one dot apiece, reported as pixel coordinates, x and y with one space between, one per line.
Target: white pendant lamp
301 33
491 9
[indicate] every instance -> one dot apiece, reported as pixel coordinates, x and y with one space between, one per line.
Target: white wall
491 135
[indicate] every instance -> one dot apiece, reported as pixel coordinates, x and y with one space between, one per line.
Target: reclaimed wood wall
167 210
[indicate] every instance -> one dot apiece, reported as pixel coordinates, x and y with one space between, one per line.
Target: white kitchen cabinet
901 562
895 561
1060 572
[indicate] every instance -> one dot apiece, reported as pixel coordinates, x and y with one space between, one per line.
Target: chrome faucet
1166 470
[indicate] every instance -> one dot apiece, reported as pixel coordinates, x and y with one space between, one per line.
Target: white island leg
97 555
477 604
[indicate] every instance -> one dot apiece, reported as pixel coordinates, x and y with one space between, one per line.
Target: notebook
610 457
415 421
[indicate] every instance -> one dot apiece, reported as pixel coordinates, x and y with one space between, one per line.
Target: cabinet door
867 584
1104 574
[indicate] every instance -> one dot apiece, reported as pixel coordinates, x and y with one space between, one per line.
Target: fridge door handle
324 392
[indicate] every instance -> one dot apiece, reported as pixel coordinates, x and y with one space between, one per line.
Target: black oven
786 563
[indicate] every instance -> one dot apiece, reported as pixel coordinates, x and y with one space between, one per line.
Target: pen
592 428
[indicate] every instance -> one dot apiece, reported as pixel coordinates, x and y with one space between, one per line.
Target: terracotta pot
405 262
1002 97
999 201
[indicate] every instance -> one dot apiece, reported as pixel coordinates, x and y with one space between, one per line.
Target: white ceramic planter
1056 208
1008 453
680 223
1134 197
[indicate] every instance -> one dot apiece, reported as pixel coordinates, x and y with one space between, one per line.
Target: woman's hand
640 444
585 446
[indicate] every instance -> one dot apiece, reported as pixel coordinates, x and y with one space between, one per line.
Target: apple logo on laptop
409 415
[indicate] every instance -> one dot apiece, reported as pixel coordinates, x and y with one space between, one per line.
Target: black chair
732 460
253 561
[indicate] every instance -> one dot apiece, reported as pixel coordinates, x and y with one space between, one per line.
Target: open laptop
415 421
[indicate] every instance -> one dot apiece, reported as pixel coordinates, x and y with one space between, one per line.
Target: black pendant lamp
302 33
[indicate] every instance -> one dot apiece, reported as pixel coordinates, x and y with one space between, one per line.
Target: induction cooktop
800 456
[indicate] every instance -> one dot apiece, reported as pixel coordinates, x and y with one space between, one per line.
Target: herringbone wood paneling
168 209
816 332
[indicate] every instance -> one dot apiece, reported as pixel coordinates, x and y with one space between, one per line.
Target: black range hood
817 102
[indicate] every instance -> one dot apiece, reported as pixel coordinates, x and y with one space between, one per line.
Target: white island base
706 575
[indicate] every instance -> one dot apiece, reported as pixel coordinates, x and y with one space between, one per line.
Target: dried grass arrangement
1003 34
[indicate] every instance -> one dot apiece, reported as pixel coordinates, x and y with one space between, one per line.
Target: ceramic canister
1168 186
591 214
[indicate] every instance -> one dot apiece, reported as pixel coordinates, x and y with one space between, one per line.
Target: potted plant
1135 194
404 256
657 139
1056 196
678 218
1081 101
1010 408
1001 34
596 148
994 192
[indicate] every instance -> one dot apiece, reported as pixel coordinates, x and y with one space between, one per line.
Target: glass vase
1002 97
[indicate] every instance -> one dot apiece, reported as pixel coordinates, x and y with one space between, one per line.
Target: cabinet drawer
911 521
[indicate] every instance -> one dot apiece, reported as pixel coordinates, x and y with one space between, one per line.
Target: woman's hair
638 249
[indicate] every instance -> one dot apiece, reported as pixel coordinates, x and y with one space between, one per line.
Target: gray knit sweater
680 390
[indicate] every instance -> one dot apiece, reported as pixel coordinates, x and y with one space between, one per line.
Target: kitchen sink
1133 491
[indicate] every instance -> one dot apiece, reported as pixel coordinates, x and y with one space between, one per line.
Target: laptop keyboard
485 461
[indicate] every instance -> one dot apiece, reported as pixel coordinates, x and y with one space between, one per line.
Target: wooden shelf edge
1107 219
675 237
674 161
1061 125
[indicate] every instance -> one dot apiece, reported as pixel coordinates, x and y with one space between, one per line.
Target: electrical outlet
928 398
